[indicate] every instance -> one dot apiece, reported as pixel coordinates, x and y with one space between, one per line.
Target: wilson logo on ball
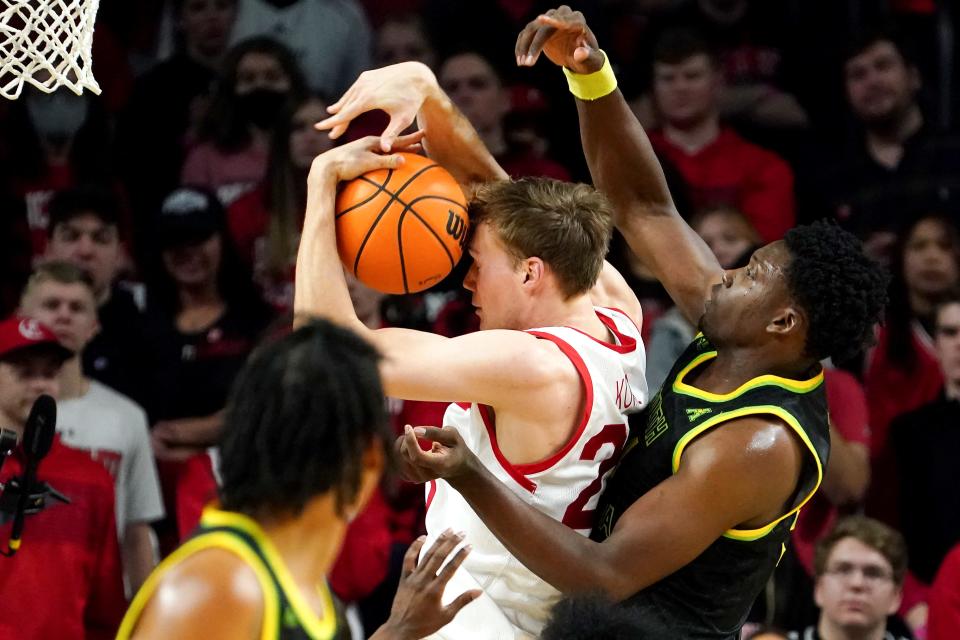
456 227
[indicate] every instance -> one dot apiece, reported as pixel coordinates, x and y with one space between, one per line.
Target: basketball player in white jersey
543 390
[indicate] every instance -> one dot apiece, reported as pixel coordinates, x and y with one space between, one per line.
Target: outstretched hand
418 609
564 37
398 89
447 458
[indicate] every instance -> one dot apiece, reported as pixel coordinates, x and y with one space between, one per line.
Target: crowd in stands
152 231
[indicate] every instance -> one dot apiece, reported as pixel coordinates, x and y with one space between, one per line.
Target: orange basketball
402 230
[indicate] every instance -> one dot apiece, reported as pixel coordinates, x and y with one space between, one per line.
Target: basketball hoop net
46 43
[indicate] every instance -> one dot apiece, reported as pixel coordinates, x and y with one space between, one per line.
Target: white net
46 43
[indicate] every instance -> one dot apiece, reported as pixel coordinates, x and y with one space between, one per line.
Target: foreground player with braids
303 449
696 517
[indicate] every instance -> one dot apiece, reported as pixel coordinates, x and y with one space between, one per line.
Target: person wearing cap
96 419
65 579
204 317
85 230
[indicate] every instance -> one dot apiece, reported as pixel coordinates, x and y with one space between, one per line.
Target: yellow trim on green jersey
213 540
316 627
797 386
747 535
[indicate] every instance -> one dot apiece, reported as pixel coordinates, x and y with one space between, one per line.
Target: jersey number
576 517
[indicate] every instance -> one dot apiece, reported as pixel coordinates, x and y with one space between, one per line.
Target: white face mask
58 116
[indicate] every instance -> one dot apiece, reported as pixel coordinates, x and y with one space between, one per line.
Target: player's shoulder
752 444
210 586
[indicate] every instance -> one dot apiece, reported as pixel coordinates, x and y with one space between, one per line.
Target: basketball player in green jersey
304 446
696 517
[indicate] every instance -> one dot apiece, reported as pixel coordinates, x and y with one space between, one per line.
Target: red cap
18 333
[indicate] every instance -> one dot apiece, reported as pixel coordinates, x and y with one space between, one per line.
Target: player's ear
533 271
787 320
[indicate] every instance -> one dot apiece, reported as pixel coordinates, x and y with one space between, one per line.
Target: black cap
189 215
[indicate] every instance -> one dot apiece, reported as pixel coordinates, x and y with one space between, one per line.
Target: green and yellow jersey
286 614
710 597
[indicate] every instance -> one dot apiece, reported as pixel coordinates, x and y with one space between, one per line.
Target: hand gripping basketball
402 229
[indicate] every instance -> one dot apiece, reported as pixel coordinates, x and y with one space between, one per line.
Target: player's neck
734 367
692 137
576 312
829 631
73 384
308 543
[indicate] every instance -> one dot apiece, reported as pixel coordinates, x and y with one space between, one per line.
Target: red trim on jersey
464 405
431 493
520 472
521 479
627 316
627 343
587 381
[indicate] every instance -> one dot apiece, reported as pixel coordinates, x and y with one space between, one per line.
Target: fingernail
407 429
420 431
467 548
447 532
461 534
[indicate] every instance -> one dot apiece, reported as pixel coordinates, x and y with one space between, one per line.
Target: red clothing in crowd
944 600
892 391
732 171
848 413
66 579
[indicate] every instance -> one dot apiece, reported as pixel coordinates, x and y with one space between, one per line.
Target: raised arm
624 166
491 367
409 91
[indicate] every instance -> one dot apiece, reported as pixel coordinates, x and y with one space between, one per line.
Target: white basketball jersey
565 486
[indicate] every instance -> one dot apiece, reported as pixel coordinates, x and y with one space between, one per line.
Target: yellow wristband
591 86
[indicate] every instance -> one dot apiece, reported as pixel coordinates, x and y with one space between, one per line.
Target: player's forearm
621 158
559 555
320 289
138 557
453 142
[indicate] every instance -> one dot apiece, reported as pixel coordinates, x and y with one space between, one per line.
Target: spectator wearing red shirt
65 581
944 620
718 165
902 371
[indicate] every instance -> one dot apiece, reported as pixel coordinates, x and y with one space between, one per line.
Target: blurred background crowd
154 229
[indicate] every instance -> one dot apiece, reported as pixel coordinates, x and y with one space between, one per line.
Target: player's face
194 265
880 85
68 309
742 306
474 87
948 341
24 377
857 591
929 259
495 281
91 244
206 24
687 92
306 143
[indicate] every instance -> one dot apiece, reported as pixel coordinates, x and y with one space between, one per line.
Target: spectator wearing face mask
260 79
